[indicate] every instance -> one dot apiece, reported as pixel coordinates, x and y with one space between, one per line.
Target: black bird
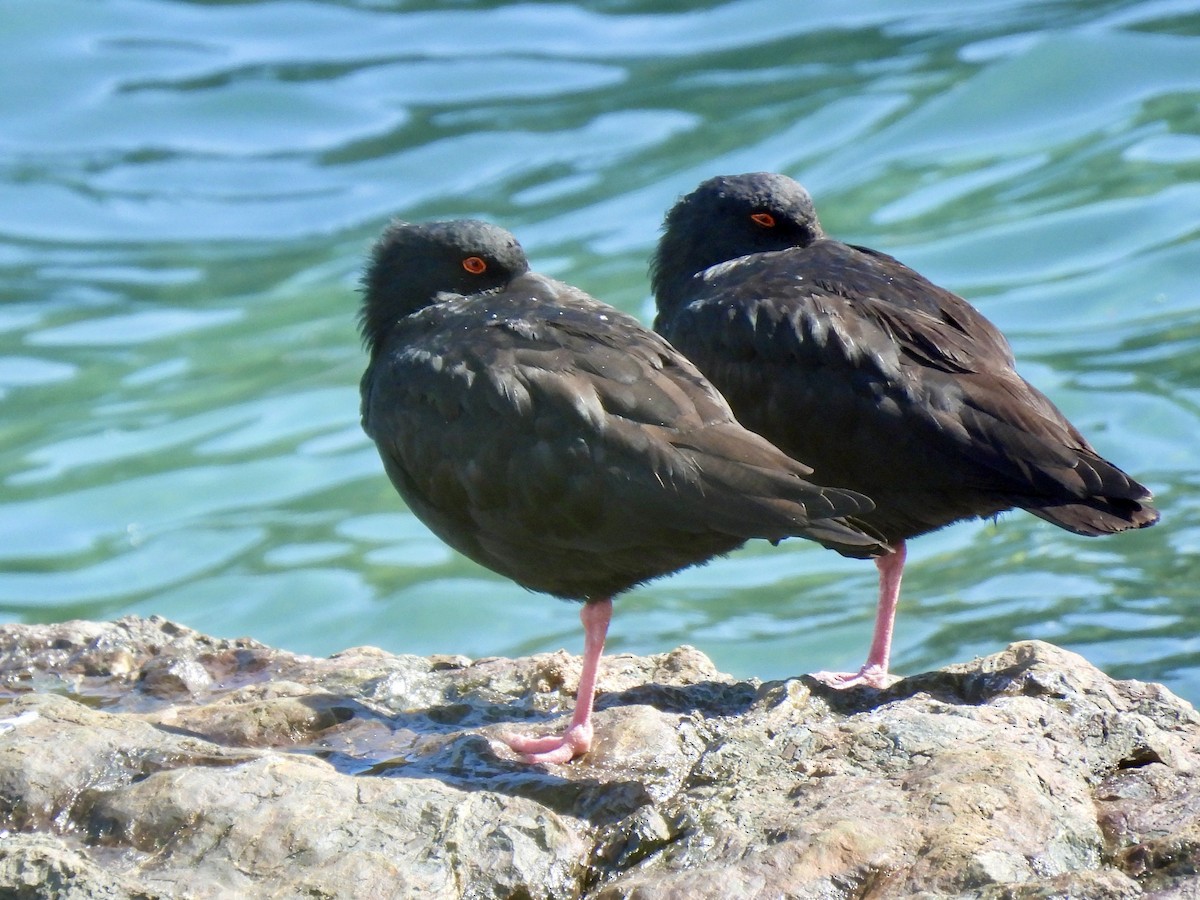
882 381
556 441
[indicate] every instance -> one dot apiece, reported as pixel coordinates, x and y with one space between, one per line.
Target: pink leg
875 671
577 739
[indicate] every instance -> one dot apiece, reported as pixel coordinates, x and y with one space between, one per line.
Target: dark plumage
556 441
881 380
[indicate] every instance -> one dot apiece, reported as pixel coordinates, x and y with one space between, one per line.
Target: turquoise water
187 190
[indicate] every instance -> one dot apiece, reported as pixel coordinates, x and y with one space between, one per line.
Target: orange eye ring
765 219
475 265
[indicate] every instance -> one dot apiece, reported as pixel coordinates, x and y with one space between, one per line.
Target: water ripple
187 191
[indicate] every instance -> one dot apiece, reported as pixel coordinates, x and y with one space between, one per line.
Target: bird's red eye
766 220
475 265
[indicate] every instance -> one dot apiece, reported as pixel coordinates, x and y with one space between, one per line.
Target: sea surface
187 191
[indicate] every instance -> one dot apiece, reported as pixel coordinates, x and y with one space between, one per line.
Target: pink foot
874 672
552 748
577 739
871 676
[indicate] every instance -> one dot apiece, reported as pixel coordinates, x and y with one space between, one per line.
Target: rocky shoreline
140 759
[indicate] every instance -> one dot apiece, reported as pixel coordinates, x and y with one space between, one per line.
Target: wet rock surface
139 759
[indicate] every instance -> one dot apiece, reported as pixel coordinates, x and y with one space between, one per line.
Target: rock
139 759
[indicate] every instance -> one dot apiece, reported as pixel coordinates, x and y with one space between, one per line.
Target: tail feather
848 537
764 494
1098 516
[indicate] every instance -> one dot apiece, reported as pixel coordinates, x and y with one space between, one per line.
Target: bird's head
728 217
414 265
